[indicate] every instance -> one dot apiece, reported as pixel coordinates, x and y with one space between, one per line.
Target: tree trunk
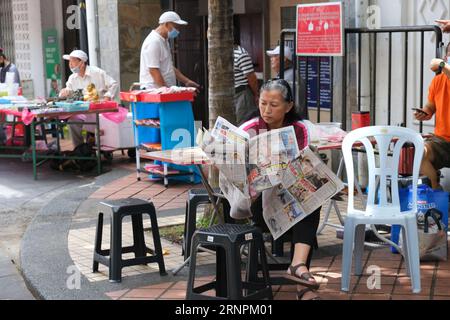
221 60
221 66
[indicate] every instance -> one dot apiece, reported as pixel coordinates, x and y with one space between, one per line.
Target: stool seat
233 232
120 209
127 205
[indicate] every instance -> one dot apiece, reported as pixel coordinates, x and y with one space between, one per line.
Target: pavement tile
384 289
442 291
144 293
371 296
165 285
407 289
285 296
288 289
445 274
445 282
444 267
409 297
384 263
447 298
389 280
334 296
174 294
117 294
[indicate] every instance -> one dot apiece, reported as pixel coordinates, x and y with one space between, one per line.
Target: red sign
320 30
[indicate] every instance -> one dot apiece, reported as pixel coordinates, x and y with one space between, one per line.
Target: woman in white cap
157 69
83 76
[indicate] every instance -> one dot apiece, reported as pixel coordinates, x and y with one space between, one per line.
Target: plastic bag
239 203
117 117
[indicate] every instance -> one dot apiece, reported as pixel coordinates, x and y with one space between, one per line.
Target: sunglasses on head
286 85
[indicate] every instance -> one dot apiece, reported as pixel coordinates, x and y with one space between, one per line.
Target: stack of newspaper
296 182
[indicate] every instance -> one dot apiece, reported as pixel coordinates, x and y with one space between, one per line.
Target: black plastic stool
197 197
120 209
228 240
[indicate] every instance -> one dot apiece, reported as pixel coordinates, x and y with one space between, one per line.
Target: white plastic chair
381 212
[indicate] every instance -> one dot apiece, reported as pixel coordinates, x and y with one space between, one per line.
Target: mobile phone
419 110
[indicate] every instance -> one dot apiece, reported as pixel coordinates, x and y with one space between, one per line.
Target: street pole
91 15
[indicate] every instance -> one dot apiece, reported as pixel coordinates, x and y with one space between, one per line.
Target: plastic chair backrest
383 137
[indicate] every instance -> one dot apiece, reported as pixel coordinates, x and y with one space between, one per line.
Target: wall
137 18
28 43
108 25
275 16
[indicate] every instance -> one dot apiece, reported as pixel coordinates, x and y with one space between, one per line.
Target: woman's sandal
304 278
301 294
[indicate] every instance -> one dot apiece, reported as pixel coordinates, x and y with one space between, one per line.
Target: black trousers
304 232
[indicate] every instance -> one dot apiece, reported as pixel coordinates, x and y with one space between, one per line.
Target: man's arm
445 25
183 79
64 93
111 87
157 77
435 64
429 108
253 83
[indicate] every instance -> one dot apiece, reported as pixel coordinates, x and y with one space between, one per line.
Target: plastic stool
197 197
120 209
228 240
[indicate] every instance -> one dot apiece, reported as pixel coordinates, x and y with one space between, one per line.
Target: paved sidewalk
12 286
62 237
326 266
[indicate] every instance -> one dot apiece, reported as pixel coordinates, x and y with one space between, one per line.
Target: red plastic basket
156 98
130 96
103 105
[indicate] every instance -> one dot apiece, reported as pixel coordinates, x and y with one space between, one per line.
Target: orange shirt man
437 149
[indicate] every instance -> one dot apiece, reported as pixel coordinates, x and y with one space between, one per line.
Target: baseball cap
171 16
276 52
79 54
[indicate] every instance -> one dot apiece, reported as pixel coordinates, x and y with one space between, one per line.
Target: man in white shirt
157 68
83 76
289 75
288 67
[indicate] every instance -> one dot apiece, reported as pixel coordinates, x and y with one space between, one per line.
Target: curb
45 262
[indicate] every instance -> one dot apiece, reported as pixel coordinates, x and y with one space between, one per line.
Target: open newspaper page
307 184
269 155
227 147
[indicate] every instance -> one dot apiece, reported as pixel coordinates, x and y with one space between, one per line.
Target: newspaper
250 164
307 183
294 183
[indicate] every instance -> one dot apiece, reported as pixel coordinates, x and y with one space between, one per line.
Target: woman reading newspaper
276 110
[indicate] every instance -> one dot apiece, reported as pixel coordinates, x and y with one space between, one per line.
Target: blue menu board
326 89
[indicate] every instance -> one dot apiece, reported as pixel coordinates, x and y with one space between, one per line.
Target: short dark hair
2 54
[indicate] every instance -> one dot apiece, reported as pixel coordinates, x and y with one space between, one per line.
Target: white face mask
76 69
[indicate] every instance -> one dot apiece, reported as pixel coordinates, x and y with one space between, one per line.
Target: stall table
53 118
